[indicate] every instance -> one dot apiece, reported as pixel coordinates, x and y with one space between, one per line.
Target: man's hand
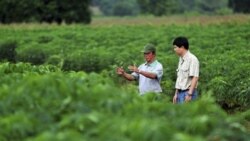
120 71
133 69
175 98
188 98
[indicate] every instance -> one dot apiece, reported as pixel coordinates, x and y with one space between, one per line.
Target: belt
180 91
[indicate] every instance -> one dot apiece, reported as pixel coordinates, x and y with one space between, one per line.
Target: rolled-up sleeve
136 75
194 68
158 70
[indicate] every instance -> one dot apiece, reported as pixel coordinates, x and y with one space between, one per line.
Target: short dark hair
181 41
153 52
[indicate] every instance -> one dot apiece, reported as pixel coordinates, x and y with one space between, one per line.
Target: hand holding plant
133 69
120 71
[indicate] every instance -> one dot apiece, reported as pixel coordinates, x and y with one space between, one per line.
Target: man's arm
194 73
148 74
193 85
144 73
120 71
191 88
128 76
175 96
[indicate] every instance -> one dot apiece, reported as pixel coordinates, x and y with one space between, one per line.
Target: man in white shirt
148 74
187 72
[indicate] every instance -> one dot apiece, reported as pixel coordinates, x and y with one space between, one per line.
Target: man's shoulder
193 57
158 63
142 65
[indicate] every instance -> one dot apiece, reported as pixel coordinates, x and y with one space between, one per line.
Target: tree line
45 11
78 11
167 7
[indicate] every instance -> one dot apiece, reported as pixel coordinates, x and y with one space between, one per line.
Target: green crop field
59 82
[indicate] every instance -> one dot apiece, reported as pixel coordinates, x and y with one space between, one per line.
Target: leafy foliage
35 56
56 103
222 51
45 103
8 51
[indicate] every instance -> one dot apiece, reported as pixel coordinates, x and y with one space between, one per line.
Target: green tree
45 11
201 6
17 11
123 8
240 5
157 7
74 10
210 6
185 6
117 8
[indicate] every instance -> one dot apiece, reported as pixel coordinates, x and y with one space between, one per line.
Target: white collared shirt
147 84
188 67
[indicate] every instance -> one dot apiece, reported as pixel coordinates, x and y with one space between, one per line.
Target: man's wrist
139 71
123 73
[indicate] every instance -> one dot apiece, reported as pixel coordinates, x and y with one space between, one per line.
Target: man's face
149 57
178 50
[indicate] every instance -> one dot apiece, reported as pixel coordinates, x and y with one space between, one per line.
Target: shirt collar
186 55
151 64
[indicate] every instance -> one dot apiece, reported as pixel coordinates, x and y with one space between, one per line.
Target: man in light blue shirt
148 74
